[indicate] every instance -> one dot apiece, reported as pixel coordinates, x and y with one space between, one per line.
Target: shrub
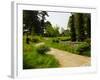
65 39
42 49
56 40
83 47
88 40
28 40
27 47
36 39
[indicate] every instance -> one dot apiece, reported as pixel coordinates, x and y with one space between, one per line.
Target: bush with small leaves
65 39
42 49
83 47
56 40
36 39
88 40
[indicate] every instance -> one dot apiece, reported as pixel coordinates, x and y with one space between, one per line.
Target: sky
58 18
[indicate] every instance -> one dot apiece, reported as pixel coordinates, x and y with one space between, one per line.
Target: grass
64 38
32 59
67 46
35 60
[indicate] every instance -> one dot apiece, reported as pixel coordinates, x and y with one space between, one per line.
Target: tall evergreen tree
87 24
31 21
79 25
72 28
43 14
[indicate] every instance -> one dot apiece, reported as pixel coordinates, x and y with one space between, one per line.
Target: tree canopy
34 21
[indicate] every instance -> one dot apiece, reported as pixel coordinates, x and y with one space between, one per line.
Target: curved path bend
67 59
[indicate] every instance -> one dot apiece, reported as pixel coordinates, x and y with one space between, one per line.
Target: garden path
41 43
67 59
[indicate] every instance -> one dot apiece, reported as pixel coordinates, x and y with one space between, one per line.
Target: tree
66 33
72 28
87 24
79 25
48 29
43 18
51 31
56 31
33 21
62 30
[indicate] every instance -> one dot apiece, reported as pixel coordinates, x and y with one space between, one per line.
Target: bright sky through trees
58 18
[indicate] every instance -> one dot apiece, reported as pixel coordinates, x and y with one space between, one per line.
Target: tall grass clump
36 57
35 60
